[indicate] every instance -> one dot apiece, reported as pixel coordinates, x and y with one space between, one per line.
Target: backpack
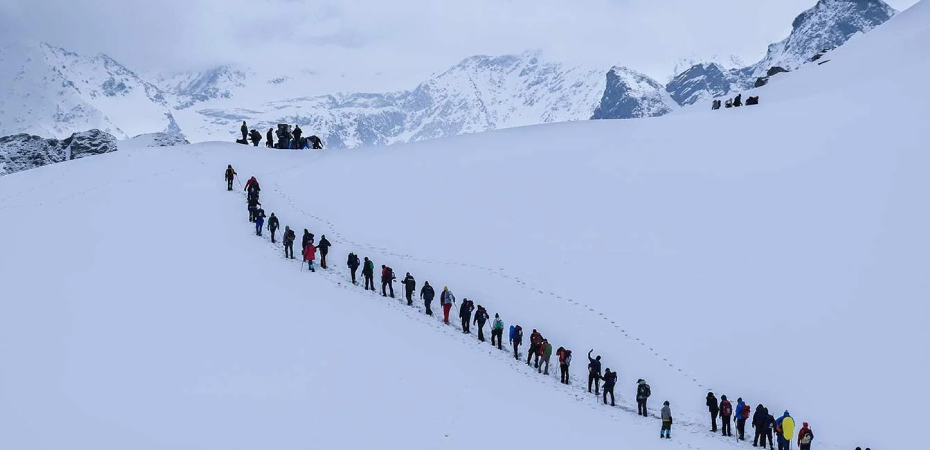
726 409
807 438
745 412
498 324
644 391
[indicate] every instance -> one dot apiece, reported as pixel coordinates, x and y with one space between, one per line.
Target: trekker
594 372
738 101
368 272
769 430
714 409
666 421
297 132
497 330
252 188
729 103
309 256
353 264
269 139
307 239
784 426
289 238
481 317
565 358
726 411
317 143
324 249
535 339
387 280
805 437
245 131
516 338
758 422
742 413
643 391
546 350
465 314
259 221
253 206
230 177
273 226
610 379
427 294
255 137
410 285
446 299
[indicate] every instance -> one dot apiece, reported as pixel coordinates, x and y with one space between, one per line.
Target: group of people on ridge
287 139
768 429
735 102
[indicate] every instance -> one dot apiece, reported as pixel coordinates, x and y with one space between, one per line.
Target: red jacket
310 253
804 431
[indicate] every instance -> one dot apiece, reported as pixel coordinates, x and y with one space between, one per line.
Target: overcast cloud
405 40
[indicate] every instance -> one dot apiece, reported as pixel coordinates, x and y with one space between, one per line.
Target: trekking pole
237 180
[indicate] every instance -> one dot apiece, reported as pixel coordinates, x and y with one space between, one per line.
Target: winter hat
446 288
497 316
806 425
640 380
739 399
723 397
666 403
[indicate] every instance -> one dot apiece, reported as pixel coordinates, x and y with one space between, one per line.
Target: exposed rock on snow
23 151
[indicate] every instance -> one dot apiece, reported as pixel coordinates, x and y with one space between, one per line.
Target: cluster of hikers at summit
287 138
768 429
735 102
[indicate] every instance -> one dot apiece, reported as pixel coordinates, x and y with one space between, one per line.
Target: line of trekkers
735 102
539 352
287 138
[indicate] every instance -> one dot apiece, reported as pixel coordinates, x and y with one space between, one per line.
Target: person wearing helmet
666 421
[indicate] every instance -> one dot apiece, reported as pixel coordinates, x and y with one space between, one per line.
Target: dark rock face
629 94
23 152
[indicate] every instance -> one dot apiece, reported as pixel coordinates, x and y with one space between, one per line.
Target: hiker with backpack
273 225
387 280
316 142
255 137
481 317
307 239
742 413
310 255
368 272
253 205
446 299
770 430
426 294
465 314
546 349
516 338
497 331
353 263
230 177
410 285
535 339
714 409
252 187
259 221
565 359
784 426
758 422
594 372
666 421
324 249
610 379
289 237
726 411
805 437
643 391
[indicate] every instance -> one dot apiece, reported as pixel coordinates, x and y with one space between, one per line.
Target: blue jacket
739 409
514 337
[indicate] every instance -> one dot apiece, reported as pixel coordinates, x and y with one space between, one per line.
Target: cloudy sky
402 40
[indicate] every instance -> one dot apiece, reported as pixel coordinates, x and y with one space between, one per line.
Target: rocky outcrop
23 151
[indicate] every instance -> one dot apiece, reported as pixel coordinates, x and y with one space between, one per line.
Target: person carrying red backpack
805 437
310 255
726 411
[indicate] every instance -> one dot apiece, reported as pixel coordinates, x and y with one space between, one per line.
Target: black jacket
273 222
307 239
643 391
244 129
324 246
297 133
269 136
427 293
230 174
758 419
466 309
610 379
289 236
409 283
352 261
712 404
481 316
253 202
594 366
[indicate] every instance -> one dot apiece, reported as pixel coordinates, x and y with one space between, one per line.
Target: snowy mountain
23 151
827 25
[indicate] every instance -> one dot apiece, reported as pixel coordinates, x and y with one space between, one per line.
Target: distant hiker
259 221
289 238
643 391
245 131
317 143
758 422
481 317
594 372
516 338
715 105
546 350
769 430
253 206
297 132
666 421
738 101
353 263
535 339
565 358
784 426
752 100
410 285
742 413
230 177
307 239
446 299
729 103
726 411
273 226
427 294
368 272
269 138
610 379
309 256
714 409
465 314
497 331
256 137
324 246
387 280
805 437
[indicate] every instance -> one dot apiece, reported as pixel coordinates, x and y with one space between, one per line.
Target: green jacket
547 351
